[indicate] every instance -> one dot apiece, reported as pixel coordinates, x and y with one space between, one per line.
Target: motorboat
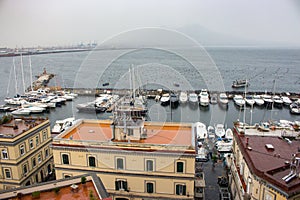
200 131
165 99
35 109
295 107
183 97
240 83
4 108
286 100
21 111
223 99
203 98
193 98
229 134
258 100
278 102
239 100
211 132
202 155
213 98
249 100
219 130
264 126
62 125
14 101
224 146
267 99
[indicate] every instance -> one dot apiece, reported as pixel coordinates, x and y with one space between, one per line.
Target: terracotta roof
270 164
23 124
158 133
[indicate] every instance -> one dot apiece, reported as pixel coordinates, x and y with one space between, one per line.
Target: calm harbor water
260 66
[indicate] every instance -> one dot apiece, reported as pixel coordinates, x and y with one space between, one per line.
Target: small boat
219 130
174 100
258 100
21 111
213 98
229 134
295 108
62 125
249 100
286 100
238 100
211 132
268 100
200 131
4 108
203 98
264 126
224 146
193 98
240 83
183 97
35 109
278 102
165 99
157 98
223 99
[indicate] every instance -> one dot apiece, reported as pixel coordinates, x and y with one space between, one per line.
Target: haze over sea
260 65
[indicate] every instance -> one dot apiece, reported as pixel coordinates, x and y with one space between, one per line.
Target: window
120 163
149 187
149 165
7 173
25 170
179 166
44 135
130 131
46 153
65 159
31 143
39 158
33 162
121 185
22 149
92 161
37 140
49 169
180 189
4 154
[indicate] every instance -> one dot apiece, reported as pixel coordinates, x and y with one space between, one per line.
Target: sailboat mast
8 85
133 82
16 80
22 71
30 68
245 107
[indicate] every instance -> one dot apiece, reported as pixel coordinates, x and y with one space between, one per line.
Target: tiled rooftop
270 164
22 124
82 192
157 133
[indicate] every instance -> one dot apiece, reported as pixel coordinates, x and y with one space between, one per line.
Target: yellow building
26 157
264 165
135 159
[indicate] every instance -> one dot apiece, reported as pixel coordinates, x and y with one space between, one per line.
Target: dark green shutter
149 187
183 190
177 189
117 185
125 185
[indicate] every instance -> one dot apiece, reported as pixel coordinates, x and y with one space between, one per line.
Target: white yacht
267 99
203 98
223 99
239 100
219 130
229 134
249 100
183 97
213 98
62 125
165 99
21 111
193 98
211 132
258 100
277 101
200 131
286 100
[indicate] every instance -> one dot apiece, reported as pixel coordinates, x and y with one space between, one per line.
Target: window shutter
177 190
183 190
125 185
117 185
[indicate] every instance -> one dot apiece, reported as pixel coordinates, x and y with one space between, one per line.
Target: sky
67 22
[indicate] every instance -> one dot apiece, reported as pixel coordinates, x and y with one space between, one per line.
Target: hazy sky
65 22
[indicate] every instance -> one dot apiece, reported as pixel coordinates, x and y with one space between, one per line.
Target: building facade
264 164
26 156
135 159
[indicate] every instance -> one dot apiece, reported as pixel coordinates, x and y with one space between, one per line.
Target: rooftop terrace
15 126
100 131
